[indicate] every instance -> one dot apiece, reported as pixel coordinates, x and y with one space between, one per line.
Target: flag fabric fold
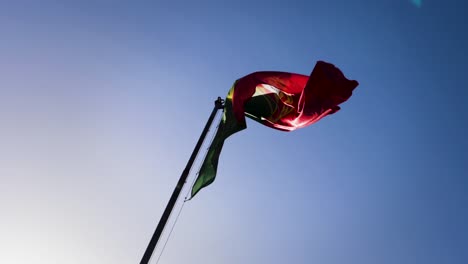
280 100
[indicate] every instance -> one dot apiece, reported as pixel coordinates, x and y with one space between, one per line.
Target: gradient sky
101 104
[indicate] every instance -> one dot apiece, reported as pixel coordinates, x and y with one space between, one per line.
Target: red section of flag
304 99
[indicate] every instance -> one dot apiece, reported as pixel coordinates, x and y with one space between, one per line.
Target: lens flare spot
417 3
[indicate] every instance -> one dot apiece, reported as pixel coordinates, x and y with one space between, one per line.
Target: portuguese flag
280 100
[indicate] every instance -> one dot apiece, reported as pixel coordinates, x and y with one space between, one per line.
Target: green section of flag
262 104
227 126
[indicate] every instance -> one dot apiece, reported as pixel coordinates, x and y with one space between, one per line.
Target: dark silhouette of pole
219 104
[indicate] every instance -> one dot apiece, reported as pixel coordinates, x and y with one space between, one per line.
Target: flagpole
219 104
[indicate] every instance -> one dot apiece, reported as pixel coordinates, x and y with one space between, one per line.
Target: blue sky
101 103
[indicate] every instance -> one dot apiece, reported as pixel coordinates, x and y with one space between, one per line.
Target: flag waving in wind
280 100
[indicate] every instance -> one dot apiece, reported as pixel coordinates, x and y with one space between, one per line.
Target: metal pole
219 104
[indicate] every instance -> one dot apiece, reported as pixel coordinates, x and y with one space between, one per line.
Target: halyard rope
186 195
